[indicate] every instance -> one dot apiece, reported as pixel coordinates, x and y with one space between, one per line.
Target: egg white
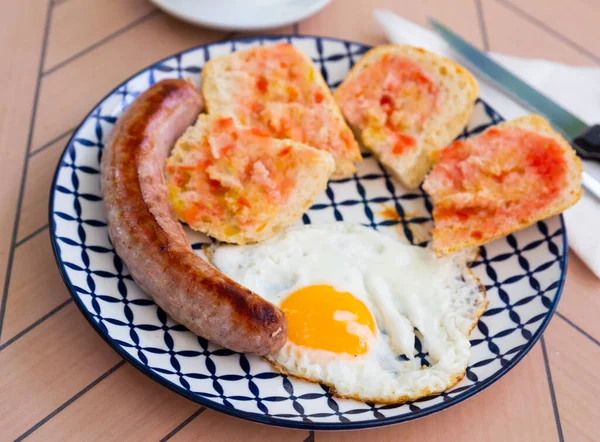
404 287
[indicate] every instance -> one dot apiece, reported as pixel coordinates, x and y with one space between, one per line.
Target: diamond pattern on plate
523 273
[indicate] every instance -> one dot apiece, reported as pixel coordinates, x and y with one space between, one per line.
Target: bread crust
311 169
443 127
219 102
149 239
571 194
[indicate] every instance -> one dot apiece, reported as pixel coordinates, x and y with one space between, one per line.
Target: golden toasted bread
405 103
279 90
238 184
500 181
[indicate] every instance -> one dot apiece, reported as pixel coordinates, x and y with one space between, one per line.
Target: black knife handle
587 144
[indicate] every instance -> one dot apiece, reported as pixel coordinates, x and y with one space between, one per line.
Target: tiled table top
60 381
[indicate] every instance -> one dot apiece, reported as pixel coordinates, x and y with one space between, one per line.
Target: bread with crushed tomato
501 181
381 117
278 89
238 184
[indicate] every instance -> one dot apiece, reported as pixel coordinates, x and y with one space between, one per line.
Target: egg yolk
322 318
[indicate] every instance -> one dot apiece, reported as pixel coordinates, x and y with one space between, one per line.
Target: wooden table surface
60 381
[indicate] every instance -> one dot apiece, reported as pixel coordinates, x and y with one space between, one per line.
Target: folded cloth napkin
577 89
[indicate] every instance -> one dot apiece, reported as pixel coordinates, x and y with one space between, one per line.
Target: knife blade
585 140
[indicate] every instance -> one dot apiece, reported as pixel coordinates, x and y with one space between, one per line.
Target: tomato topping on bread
405 103
238 184
503 180
279 90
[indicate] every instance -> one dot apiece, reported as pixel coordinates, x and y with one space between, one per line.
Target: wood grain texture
78 24
507 32
285 30
580 301
574 20
50 365
47 367
150 410
93 75
210 423
574 365
36 286
23 22
41 170
353 20
493 415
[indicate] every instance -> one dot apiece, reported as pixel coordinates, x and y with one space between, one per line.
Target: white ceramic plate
241 15
523 273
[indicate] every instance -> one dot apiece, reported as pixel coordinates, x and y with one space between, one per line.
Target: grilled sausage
150 240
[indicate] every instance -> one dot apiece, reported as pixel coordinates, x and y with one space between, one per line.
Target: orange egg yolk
322 318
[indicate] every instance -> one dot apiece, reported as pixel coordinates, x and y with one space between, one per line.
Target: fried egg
355 301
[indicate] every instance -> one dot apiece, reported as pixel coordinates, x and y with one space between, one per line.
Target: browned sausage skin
150 240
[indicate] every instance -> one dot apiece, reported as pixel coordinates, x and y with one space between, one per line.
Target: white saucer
241 15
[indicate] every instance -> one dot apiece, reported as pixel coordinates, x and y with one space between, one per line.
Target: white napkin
577 89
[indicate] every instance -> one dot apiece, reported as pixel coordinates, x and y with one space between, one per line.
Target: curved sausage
150 240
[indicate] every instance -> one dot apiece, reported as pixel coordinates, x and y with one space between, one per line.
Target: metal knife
584 139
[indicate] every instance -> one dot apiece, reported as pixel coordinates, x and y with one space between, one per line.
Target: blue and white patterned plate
523 273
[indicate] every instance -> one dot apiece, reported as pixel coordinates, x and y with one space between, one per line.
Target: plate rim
314 8
246 415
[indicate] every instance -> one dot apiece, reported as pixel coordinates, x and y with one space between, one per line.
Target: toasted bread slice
405 103
278 89
500 181
238 184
